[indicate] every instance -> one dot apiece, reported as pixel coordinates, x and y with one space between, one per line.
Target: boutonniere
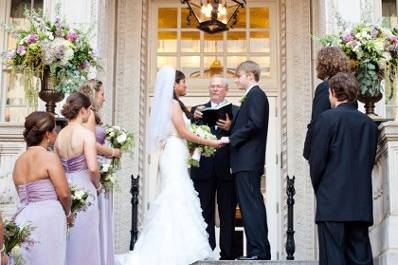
242 99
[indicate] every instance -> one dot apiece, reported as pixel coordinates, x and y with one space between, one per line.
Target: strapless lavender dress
40 207
83 245
105 202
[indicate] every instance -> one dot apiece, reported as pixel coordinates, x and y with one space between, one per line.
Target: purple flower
84 64
59 52
348 37
94 53
374 31
72 36
32 38
9 55
58 28
21 50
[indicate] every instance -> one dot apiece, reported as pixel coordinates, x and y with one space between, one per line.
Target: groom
248 141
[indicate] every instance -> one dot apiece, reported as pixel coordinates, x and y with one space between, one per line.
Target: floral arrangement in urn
373 51
59 55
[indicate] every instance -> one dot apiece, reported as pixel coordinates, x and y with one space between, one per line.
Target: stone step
259 262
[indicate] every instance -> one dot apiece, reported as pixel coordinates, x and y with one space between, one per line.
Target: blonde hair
90 88
250 67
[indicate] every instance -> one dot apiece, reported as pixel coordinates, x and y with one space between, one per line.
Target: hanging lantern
214 15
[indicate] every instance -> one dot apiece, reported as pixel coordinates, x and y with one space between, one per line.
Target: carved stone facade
384 234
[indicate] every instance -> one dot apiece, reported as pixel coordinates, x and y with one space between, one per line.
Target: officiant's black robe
213 176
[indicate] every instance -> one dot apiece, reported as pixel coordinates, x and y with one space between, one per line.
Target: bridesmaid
76 147
94 89
43 192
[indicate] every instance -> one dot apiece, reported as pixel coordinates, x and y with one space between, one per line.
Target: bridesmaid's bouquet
197 150
107 171
15 238
79 200
122 139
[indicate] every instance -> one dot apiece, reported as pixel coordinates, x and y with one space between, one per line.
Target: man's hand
224 124
197 115
224 140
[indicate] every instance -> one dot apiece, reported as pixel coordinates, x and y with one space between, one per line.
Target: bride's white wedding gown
174 231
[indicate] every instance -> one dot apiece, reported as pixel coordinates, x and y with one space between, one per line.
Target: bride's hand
215 143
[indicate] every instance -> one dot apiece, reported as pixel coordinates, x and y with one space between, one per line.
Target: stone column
296 86
384 236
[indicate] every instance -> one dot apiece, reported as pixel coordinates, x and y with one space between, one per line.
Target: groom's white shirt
248 90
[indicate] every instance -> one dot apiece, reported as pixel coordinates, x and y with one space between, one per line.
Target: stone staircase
259 262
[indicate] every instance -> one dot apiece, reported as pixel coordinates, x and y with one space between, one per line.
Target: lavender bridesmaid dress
40 207
83 246
105 203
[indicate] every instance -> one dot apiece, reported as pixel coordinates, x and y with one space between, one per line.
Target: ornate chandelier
214 15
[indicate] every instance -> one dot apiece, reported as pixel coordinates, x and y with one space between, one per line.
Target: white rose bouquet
107 171
79 200
122 139
198 150
15 238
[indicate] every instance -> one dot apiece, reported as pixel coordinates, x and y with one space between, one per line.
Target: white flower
111 179
116 128
105 167
79 195
196 154
112 134
121 138
16 251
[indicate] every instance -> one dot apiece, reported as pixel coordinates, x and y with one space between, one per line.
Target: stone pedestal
384 236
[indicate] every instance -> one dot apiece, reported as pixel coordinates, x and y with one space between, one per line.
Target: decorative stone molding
143 107
11 145
127 110
295 117
383 233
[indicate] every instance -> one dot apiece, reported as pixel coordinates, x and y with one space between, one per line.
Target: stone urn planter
48 93
370 101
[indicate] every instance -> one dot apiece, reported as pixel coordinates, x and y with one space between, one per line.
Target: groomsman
248 141
330 61
343 151
214 176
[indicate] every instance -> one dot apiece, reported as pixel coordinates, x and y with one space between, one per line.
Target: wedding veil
160 124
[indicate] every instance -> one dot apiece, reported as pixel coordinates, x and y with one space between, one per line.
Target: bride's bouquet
79 200
120 138
198 150
15 238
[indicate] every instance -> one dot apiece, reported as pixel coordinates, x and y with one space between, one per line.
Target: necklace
37 146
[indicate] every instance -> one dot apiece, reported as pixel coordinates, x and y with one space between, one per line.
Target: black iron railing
134 211
290 244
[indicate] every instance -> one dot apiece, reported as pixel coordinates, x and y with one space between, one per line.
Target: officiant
213 176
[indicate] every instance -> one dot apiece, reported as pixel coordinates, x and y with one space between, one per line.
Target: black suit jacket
320 104
343 151
220 161
248 137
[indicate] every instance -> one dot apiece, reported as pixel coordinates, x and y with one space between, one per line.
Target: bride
174 231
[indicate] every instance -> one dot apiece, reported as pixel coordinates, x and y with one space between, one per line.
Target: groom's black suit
248 141
213 176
